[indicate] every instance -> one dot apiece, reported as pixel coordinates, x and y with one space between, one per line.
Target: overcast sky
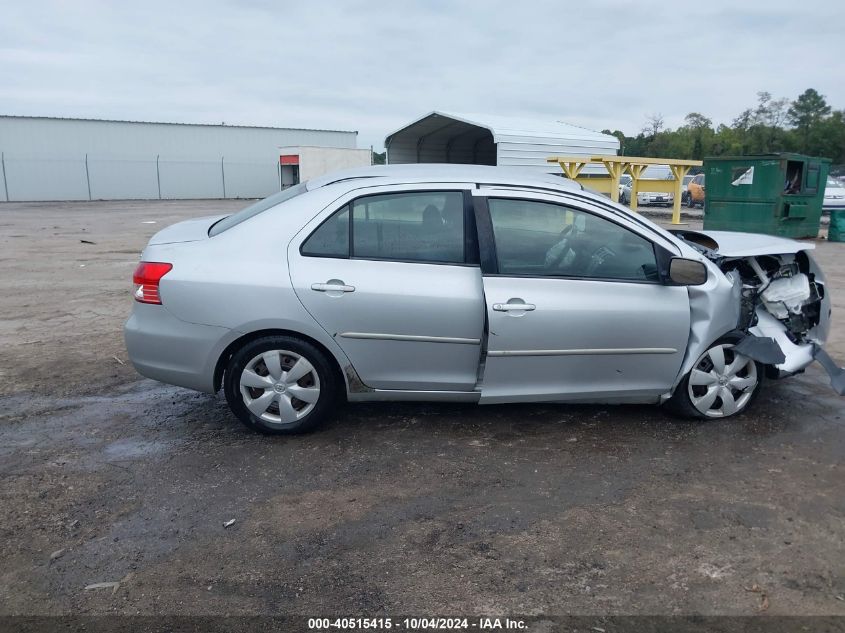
374 66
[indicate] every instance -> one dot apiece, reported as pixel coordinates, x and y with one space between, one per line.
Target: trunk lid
187 231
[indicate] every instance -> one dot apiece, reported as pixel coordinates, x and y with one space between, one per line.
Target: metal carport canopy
441 137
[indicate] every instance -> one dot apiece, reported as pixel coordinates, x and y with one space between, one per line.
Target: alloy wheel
722 382
280 387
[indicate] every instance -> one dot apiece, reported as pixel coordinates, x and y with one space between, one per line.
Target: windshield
254 209
687 179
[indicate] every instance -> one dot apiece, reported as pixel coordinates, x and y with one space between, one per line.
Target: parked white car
834 195
644 198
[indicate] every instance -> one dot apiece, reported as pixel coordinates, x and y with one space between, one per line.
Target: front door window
549 240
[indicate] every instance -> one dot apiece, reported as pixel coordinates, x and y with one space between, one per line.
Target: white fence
90 177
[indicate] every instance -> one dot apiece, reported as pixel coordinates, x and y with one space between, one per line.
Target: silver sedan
468 284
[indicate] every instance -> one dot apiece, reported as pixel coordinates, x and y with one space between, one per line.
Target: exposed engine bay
784 285
784 310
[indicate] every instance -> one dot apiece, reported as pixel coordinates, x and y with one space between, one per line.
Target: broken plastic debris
760 348
114 586
118 360
148 222
229 523
87 242
764 597
836 373
57 554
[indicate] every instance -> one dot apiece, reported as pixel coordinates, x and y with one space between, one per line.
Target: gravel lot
394 508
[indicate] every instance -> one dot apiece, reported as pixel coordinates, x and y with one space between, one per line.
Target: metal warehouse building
440 137
44 158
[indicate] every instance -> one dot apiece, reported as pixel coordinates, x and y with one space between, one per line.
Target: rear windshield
254 209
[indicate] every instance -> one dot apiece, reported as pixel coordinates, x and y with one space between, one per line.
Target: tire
706 393
262 377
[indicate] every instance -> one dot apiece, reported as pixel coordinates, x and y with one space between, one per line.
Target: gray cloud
374 66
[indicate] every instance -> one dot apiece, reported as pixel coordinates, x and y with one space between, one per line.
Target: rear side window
331 239
254 209
425 226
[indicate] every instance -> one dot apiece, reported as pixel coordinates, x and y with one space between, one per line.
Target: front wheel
722 383
279 385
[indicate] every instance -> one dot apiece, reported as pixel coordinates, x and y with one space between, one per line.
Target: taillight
146 279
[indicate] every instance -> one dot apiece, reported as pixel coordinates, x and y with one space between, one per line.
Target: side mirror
687 272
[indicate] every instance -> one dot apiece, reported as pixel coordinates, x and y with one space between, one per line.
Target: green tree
805 113
826 138
619 135
808 125
699 129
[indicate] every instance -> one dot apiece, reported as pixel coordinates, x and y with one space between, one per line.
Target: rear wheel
722 383
280 385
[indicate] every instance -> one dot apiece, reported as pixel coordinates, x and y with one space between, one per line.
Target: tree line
807 125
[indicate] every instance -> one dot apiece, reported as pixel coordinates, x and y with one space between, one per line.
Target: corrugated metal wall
524 151
71 159
439 138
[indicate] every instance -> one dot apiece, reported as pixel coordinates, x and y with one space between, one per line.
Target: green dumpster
778 194
836 230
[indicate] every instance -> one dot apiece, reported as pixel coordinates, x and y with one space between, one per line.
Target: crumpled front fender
714 311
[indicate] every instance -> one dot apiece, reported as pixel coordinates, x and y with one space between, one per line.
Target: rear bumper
170 350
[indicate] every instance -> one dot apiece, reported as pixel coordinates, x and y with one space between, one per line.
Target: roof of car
441 172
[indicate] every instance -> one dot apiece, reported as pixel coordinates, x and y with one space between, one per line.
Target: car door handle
507 307
333 285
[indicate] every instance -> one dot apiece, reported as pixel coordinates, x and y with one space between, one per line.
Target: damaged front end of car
778 298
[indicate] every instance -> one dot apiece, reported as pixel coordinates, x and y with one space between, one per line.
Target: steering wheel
556 254
598 257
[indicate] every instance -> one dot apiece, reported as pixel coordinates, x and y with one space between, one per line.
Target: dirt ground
391 508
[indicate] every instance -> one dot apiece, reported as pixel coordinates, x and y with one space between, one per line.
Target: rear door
392 274
575 308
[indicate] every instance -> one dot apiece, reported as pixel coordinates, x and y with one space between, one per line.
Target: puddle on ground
132 448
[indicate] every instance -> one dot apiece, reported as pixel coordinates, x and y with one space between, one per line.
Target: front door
394 278
575 308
